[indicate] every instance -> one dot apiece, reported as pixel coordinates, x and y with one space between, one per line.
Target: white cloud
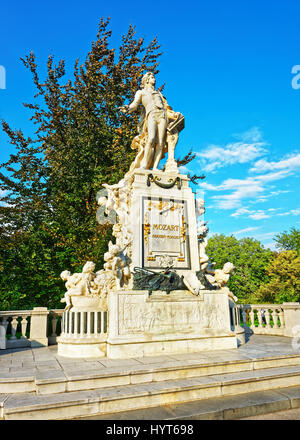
254 215
295 211
243 231
241 189
259 215
265 236
254 134
249 147
250 187
291 212
231 194
288 164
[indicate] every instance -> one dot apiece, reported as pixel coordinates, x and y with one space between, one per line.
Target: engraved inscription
165 232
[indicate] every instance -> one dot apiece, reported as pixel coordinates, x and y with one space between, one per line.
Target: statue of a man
156 119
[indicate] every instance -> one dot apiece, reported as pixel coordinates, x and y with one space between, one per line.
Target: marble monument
157 292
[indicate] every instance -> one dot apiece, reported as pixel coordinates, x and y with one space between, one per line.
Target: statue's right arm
135 103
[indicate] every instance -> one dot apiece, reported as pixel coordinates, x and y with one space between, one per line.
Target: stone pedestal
38 327
163 221
84 329
144 325
156 232
2 337
291 319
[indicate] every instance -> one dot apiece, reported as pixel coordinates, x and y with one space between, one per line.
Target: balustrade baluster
54 325
259 317
76 324
63 325
235 316
89 323
71 322
65 322
275 318
24 327
14 325
252 318
81 324
102 322
281 317
268 318
244 315
96 323
68 322
239 315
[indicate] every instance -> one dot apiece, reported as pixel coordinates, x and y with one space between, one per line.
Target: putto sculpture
79 283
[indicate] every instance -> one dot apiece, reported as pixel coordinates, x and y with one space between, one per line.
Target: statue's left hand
123 108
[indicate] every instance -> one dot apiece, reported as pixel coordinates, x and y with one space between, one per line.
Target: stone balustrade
81 324
270 319
41 327
25 328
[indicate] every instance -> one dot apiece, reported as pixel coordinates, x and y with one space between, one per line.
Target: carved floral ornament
170 184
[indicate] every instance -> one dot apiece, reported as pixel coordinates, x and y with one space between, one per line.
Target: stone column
2 337
291 312
38 327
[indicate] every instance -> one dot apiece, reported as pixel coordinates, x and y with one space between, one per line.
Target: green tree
284 279
250 259
48 204
286 241
48 210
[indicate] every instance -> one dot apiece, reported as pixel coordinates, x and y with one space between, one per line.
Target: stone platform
37 383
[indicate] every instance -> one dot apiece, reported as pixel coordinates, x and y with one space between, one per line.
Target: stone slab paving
252 406
43 365
289 414
44 362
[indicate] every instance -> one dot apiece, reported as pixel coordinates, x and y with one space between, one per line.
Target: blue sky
227 67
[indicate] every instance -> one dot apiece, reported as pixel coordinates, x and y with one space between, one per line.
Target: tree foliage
48 208
286 241
284 279
250 259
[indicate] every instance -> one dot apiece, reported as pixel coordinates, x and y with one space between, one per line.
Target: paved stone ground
45 363
15 362
290 414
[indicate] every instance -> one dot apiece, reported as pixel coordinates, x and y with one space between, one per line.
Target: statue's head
88 267
115 250
149 76
228 267
65 275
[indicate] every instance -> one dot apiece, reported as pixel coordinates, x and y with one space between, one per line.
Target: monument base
146 325
87 348
84 329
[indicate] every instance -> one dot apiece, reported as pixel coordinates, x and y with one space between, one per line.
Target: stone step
116 399
250 406
81 379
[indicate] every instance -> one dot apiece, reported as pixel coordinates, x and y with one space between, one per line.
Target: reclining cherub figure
78 283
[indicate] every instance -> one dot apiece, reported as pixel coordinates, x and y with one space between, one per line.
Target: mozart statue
158 128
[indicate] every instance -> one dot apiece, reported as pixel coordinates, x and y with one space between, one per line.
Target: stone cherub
217 278
222 275
78 283
118 263
202 232
159 123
